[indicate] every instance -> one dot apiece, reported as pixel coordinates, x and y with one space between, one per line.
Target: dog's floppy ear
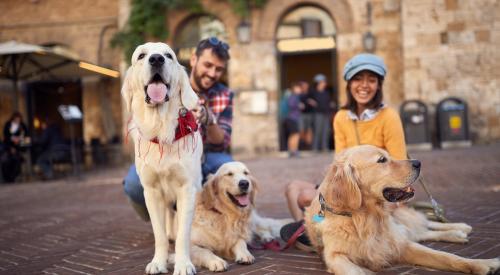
209 192
127 90
188 97
340 187
254 191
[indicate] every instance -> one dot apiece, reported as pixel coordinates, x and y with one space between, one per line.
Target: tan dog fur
221 228
372 239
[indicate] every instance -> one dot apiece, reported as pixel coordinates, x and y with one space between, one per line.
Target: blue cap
319 78
364 61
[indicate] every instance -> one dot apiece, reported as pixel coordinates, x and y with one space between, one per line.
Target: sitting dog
167 146
350 225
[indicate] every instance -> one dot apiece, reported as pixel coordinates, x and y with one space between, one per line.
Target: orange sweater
384 131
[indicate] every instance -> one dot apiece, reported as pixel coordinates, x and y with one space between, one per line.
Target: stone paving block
86 226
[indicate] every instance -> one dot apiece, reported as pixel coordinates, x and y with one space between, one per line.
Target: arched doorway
305 44
194 29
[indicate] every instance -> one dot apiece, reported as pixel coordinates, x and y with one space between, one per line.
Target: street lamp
244 32
369 42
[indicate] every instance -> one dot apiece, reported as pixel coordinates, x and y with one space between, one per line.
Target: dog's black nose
243 184
415 163
156 60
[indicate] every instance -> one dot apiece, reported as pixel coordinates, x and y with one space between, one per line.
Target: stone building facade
433 49
83 28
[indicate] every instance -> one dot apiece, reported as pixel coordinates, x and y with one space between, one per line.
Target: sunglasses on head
214 41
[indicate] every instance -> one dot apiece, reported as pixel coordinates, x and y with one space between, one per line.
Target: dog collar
323 207
186 125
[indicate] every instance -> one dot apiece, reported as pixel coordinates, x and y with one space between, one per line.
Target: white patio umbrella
20 61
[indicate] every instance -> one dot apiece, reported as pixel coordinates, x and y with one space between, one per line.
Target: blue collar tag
318 218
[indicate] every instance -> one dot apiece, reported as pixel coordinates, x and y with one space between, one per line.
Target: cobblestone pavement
86 226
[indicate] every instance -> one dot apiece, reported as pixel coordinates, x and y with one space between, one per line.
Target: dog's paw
264 236
464 228
217 265
245 258
486 267
156 267
184 267
458 236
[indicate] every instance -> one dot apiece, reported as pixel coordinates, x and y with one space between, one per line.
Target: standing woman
363 120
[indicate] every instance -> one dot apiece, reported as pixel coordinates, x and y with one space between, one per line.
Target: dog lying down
225 219
352 226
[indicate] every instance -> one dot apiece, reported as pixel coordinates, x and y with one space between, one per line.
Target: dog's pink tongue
243 200
157 92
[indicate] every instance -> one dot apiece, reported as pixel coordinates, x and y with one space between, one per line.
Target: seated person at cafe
53 149
15 135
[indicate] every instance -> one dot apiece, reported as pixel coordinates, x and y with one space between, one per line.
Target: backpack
283 106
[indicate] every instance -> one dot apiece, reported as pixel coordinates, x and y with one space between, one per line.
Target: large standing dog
157 94
351 226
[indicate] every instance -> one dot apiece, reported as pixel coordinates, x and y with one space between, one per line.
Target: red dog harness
186 125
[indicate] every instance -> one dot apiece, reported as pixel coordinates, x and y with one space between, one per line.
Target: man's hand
203 115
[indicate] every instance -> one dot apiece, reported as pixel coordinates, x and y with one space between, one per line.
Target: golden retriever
157 92
226 219
221 225
356 233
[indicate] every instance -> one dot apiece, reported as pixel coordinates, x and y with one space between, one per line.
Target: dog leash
436 207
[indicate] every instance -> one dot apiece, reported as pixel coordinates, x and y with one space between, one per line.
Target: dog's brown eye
245 173
169 56
230 174
382 159
141 56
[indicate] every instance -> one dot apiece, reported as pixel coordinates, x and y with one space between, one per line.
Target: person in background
15 135
282 113
292 121
214 115
322 113
364 119
53 148
307 119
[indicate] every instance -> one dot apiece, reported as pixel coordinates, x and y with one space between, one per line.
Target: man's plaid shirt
220 102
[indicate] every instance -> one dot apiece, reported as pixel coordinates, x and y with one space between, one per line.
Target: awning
19 61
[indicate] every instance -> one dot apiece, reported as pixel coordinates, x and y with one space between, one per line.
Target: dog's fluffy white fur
170 171
376 236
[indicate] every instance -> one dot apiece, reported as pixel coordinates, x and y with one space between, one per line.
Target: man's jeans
133 188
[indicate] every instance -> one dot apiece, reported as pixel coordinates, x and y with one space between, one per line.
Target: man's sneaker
302 242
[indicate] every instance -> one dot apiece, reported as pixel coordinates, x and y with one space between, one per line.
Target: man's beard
198 77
